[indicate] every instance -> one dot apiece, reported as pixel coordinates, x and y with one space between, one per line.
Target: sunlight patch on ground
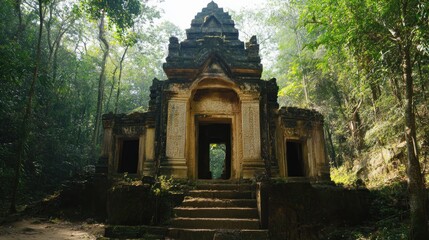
42 229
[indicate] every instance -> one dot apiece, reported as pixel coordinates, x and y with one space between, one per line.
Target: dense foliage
63 107
217 160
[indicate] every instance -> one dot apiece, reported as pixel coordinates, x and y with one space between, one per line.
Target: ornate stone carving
176 129
251 131
291 132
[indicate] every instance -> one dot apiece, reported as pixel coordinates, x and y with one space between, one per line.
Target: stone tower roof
212 37
212 21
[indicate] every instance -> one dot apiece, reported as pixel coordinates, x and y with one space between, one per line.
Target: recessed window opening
217 160
294 158
129 156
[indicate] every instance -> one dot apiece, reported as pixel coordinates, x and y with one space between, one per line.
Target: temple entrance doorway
214 150
129 156
295 161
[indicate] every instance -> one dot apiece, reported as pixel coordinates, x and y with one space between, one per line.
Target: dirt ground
50 229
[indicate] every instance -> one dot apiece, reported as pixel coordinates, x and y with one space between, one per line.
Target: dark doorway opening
129 157
214 150
294 158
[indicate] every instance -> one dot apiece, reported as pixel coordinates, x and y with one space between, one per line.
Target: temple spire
212 34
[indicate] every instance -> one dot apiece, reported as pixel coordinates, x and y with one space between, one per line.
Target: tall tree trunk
422 82
101 81
55 59
54 44
25 129
304 77
331 146
375 92
111 89
121 66
356 127
416 186
19 13
304 84
396 89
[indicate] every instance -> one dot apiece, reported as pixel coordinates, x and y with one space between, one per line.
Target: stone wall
300 210
128 204
84 198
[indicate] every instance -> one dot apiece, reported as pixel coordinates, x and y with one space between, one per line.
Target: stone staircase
218 210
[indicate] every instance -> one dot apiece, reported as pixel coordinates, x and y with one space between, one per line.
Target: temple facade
214 94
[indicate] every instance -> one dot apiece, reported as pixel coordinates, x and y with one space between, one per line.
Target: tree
253 22
312 75
24 129
121 16
382 34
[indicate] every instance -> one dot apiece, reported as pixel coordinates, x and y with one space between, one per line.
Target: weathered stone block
301 210
130 205
138 205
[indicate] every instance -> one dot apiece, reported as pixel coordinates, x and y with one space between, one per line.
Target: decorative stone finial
212 4
252 48
253 40
174 40
173 47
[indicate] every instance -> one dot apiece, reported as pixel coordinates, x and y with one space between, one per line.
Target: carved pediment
214 66
212 26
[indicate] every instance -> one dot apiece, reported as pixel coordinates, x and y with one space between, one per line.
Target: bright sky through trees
181 12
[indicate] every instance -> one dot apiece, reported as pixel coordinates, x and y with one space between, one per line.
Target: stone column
107 138
320 158
142 147
106 158
175 164
149 153
251 135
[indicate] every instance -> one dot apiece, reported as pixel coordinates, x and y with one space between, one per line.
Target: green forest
363 64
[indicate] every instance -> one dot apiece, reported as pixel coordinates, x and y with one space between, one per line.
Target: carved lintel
291 132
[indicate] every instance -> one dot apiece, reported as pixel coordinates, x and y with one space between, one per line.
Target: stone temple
214 94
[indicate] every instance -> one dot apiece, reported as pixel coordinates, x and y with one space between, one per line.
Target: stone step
222 181
215 223
224 194
216 212
208 234
214 202
134 232
225 186
254 234
144 237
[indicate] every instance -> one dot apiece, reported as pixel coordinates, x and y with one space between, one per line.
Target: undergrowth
389 217
343 176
